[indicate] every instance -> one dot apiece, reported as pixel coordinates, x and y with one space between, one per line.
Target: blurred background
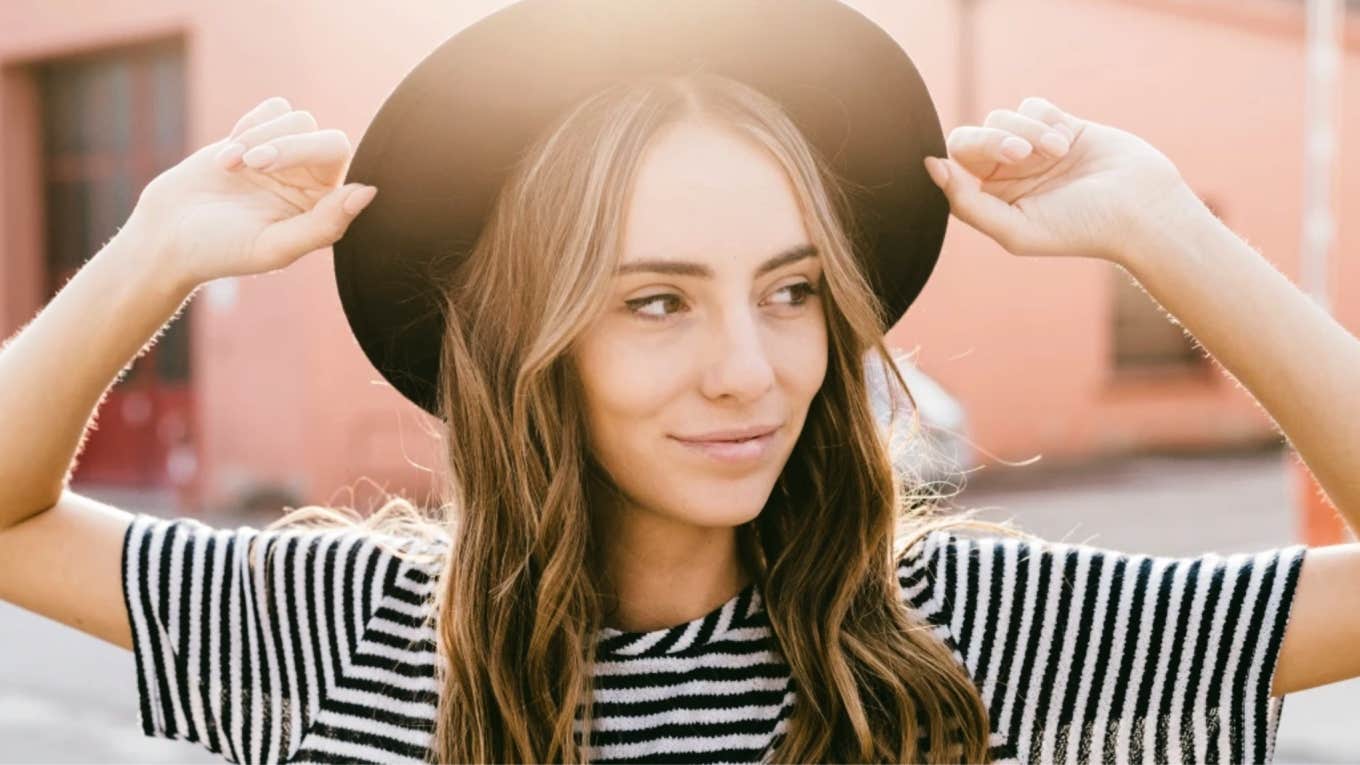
1070 400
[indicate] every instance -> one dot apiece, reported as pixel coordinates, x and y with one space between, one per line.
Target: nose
738 363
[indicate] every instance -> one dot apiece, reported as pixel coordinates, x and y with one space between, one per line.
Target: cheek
629 385
626 387
801 360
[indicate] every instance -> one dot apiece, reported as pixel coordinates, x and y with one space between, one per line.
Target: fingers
1038 129
983 211
982 149
1006 138
1043 110
1009 145
266 110
287 240
325 153
1052 140
284 124
296 121
1006 223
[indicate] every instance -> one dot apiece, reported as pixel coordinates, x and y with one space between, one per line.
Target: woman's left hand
1084 194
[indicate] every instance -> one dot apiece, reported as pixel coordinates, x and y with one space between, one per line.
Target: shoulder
979 587
966 559
929 555
1180 646
169 549
954 578
233 622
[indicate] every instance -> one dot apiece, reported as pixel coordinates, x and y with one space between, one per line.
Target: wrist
145 248
1154 230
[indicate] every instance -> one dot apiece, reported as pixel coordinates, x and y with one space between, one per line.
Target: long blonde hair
520 599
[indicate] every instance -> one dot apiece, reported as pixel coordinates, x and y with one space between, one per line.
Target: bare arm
54 373
1297 361
1107 193
1099 191
1303 367
208 217
63 563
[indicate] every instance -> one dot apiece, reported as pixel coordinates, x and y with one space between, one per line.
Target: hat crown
445 138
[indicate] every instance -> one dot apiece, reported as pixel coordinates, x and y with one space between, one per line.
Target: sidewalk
1179 506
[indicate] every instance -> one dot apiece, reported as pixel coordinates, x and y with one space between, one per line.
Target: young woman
673 531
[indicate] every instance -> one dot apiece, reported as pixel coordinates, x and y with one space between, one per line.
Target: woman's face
711 326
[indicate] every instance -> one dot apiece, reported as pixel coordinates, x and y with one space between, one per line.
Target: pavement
68 697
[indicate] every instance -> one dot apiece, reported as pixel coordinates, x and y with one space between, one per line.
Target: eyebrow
684 268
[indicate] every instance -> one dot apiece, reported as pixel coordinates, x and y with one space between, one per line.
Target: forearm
55 371
1299 363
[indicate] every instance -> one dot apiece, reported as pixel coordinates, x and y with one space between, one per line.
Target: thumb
984 212
287 240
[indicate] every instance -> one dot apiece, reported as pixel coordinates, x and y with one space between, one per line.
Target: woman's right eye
637 303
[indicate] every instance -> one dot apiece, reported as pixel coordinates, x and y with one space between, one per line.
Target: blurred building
258 393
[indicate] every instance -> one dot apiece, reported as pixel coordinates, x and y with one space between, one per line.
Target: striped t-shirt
324 652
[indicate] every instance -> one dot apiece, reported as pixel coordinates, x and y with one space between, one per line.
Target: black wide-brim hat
445 139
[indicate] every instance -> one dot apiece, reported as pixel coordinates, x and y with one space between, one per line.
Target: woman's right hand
215 214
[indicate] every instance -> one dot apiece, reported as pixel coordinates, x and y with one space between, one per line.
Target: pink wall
1024 342
286 395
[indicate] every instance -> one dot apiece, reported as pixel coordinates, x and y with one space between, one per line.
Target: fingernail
229 153
260 156
359 199
938 171
1054 143
1015 148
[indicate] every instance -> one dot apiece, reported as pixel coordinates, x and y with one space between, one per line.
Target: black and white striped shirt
323 653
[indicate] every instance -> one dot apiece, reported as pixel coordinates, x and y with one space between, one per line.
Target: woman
673 531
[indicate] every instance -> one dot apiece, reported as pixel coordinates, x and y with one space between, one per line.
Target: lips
730 435
747 446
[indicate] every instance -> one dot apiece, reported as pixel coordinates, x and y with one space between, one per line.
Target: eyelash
807 289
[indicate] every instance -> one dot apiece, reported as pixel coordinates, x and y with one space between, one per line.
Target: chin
722 507
718 520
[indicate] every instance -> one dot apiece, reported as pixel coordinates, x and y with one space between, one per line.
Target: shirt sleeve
239 633
1111 656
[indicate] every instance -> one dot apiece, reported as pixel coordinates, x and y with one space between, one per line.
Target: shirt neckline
686 637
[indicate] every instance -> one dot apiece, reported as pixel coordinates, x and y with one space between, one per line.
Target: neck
663 571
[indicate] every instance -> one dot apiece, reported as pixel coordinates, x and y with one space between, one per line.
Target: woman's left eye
803 290
800 291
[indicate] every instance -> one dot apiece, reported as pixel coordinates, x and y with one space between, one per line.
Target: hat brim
446 137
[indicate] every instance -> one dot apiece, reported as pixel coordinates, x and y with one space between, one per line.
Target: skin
724 351
1107 193
1102 193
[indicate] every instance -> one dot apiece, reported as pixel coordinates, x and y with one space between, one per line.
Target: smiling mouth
732 451
731 435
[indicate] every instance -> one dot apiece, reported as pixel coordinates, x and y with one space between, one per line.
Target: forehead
707 194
